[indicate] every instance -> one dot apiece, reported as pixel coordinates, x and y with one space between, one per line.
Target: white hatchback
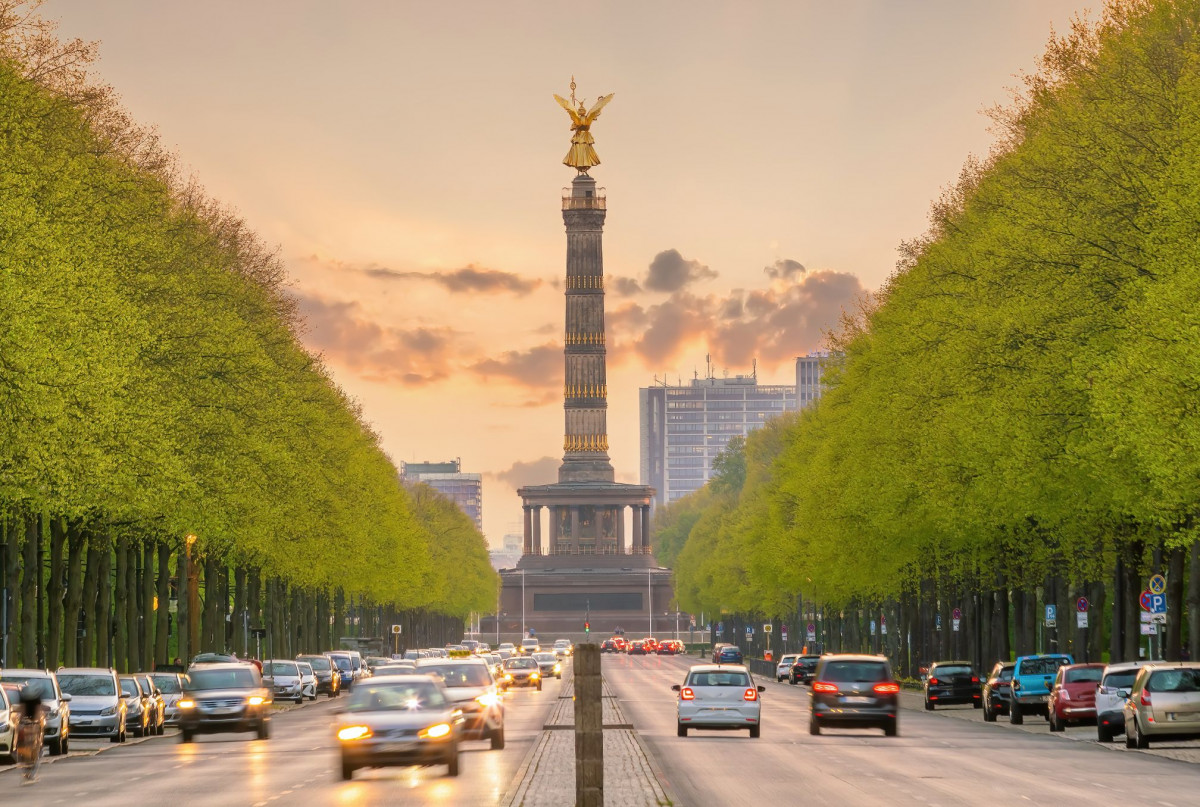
784 668
1114 688
719 696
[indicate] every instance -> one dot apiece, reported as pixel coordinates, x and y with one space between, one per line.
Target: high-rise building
808 376
465 490
684 428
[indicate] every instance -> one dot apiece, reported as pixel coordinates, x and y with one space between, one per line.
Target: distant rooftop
412 469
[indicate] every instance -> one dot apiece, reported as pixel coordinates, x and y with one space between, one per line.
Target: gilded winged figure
582 155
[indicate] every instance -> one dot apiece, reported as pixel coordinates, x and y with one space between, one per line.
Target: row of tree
170 454
1014 420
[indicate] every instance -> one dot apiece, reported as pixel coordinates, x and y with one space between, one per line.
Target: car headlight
489 699
255 700
435 731
533 675
355 733
112 710
558 668
507 676
186 703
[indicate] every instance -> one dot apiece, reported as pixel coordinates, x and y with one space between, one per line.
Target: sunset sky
763 161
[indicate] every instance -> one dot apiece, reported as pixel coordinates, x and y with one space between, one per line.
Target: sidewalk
547 776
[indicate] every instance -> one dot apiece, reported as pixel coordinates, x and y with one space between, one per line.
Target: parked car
55 703
329 680
1115 686
521 671
548 665
950 682
718 697
308 680
137 708
170 684
471 687
97 707
1073 696
997 690
10 721
398 720
728 654
1164 702
224 697
282 677
803 669
784 668
1033 677
156 702
345 668
854 691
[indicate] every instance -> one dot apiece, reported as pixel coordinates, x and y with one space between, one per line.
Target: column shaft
537 530
646 528
621 529
637 529
528 550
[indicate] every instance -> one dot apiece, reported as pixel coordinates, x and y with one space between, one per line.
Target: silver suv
97 708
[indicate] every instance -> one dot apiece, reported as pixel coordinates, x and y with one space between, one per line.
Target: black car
608 646
854 691
803 669
224 697
637 648
951 682
728 654
329 680
996 690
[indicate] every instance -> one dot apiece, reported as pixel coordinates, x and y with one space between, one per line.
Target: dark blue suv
728 654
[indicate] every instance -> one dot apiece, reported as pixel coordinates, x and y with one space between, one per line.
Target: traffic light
587 627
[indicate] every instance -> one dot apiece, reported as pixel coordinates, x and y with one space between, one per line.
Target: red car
669 647
1073 696
619 641
650 643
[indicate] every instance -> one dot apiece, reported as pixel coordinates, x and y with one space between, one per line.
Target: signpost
783 632
396 629
1081 619
812 632
1158 584
956 616
1051 616
883 625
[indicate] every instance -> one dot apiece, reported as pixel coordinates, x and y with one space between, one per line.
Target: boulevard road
298 765
938 759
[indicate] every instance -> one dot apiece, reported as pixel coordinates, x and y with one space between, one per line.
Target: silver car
398 720
171 686
719 697
471 688
10 720
97 706
282 677
58 713
137 706
1164 702
1115 686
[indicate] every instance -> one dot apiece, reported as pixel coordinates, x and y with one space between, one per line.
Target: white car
282 677
308 680
1115 686
784 668
719 697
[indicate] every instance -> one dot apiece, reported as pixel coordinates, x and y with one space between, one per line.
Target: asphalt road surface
298 765
938 759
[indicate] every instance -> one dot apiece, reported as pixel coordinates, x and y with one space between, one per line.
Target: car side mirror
675 687
66 698
762 688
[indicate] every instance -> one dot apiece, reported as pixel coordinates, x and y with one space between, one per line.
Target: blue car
345 667
1032 679
729 654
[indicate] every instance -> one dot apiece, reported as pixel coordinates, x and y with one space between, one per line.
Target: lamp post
650 599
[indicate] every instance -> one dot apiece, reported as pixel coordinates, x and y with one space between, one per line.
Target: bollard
589 728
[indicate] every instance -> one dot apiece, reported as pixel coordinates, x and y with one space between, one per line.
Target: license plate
1044 698
857 699
82 722
395 748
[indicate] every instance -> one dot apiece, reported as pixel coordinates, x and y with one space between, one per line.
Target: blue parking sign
1051 613
1158 603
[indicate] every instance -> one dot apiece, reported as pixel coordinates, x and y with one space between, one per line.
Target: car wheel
755 731
1055 724
539 686
186 736
890 728
1015 716
814 728
928 705
264 729
1104 734
452 761
681 730
1134 731
299 699
989 716
56 748
347 771
792 680
498 738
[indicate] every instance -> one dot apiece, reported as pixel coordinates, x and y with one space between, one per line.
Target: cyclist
30 733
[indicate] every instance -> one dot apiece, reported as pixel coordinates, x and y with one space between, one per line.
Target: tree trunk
91 586
11 581
1175 572
149 621
31 571
106 657
339 620
121 618
133 623
240 612
75 550
1193 602
55 593
162 616
1131 608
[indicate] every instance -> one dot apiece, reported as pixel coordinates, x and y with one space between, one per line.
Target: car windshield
317 663
950 669
1182 680
280 668
1042 666
343 663
460 675
129 687
166 683
40 686
87 684
520 664
1121 679
1086 675
866 672
304 668
395 669
722 678
387 697
242 678
547 657
1005 674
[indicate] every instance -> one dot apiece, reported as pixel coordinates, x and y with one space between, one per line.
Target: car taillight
1145 698
933 681
886 689
751 694
974 679
687 694
822 686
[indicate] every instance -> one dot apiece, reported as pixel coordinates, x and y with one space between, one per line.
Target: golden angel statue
582 155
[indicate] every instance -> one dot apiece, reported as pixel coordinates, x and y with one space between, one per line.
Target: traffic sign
783 633
749 631
872 627
812 632
1158 604
883 625
937 622
1158 584
1051 613
956 613
396 629
1149 630
767 628
1081 619
720 627
1158 619
1146 617
1082 604
1145 600
955 625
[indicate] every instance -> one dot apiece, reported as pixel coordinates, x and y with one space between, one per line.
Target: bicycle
29 747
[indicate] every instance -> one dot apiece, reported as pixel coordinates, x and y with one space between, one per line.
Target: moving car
282 677
950 682
563 647
608 646
224 697
471 687
57 729
1073 696
803 669
529 646
669 647
156 702
1164 702
548 665
398 720
97 707
854 691
521 671
997 690
1032 679
636 648
1115 686
171 686
328 681
784 668
718 697
341 661
728 654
